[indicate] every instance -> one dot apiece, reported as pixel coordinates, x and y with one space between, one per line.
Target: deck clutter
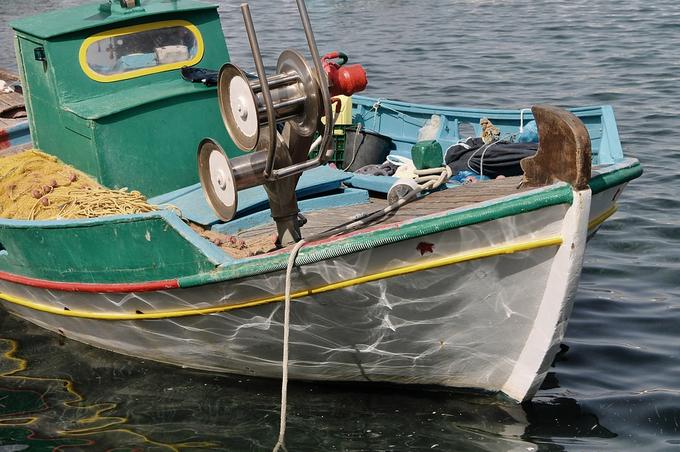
13 125
440 260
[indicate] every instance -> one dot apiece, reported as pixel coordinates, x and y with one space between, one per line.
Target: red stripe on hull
91 287
4 139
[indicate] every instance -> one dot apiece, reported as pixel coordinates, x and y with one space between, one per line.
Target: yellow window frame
82 54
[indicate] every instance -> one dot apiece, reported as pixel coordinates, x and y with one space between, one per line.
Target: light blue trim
192 203
19 134
468 113
401 121
348 197
380 184
610 148
167 198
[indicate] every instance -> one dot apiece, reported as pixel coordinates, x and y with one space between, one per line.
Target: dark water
617 384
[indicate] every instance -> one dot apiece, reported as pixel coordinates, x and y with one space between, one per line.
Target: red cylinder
348 80
343 79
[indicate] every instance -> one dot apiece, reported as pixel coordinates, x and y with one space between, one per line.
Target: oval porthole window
129 52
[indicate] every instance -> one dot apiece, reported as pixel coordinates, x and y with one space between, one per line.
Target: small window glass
145 49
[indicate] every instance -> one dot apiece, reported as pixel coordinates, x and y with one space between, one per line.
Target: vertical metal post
266 95
323 83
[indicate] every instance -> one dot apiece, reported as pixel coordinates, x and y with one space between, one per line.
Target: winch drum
295 97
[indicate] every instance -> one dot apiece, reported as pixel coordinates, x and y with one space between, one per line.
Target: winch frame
269 172
298 97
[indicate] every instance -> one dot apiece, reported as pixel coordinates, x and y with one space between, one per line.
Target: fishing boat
404 280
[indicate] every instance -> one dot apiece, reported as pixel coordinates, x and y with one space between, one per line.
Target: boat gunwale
559 193
466 256
361 240
611 153
498 113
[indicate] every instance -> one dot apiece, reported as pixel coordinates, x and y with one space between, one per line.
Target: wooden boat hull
481 306
471 297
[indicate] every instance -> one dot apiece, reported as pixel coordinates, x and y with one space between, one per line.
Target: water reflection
562 417
55 392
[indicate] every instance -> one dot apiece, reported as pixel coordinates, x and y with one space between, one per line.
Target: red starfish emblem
425 247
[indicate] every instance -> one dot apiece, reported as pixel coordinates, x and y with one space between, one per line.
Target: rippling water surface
615 386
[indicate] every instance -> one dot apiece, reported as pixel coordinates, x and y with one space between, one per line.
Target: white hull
486 309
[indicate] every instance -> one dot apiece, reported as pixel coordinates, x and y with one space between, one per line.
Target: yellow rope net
37 186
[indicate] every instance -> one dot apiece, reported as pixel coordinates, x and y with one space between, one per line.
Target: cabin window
130 52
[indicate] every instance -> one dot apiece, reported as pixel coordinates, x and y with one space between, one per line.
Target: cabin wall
140 133
48 129
153 148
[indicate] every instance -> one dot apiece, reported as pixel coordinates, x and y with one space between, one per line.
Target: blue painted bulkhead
401 121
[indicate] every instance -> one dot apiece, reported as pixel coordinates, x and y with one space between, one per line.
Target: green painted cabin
104 91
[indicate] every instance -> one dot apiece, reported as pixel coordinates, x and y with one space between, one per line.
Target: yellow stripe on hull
596 222
436 263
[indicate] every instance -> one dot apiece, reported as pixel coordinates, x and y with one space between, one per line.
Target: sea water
616 383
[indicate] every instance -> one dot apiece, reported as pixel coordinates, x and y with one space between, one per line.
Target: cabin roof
84 17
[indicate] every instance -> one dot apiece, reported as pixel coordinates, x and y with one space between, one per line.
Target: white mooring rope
427 180
286 331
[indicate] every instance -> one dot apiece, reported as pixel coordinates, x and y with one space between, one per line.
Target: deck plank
440 201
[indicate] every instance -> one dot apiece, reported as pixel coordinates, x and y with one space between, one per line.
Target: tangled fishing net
37 186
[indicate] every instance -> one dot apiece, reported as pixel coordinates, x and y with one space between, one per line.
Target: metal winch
294 93
274 119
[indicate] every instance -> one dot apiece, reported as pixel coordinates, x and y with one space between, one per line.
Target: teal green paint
140 133
101 107
152 247
163 148
419 227
69 20
134 249
602 182
73 85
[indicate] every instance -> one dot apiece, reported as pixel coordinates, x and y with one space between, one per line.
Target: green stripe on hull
420 227
605 181
488 211
159 246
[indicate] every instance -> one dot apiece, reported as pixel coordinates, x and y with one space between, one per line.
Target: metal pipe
248 169
295 168
275 81
266 95
285 104
323 83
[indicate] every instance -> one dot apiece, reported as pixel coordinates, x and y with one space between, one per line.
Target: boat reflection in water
57 392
